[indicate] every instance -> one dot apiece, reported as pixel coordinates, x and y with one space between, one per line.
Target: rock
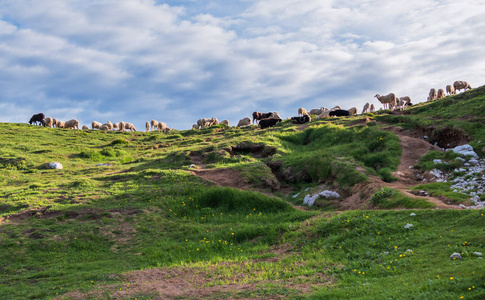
296 195
104 165
473 161
465 150
408 225
460 158
192 166
412 214
477 253
409 250
455 256
437 161
55 165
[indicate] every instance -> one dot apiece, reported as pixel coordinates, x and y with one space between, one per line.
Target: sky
181 60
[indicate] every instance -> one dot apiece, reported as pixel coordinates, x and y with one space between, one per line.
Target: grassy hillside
130 212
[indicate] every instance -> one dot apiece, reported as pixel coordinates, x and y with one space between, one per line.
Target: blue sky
179 61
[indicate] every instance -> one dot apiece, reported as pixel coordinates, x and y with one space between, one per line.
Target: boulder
55 165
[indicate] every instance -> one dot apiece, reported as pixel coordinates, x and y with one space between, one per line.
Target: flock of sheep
264 120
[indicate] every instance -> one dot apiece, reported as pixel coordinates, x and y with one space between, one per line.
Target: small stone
192 166
477 253
408 225
425 137
55 165
409 250
455 256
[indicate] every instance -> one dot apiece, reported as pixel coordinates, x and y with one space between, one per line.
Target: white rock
309 200
465 150
455 255
412 214
408 225
478 253
55 165
460 158
409 250
437 161
294 196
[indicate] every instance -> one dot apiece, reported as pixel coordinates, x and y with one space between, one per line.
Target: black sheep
38 118
259 115
301 120
265 123
339 113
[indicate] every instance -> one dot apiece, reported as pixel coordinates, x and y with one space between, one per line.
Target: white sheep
96 125
130 127
225 122
441 93
110 125
116 125
154 124
372 108
450 90
388 101
195 126
324 114
60 124
317 111
275 115
461 85
162 126
244 122
104 127
353 111
204 122
302 111
49 122
72 124
433 95
147 126
85 127
122 126
54 122
402 102
366 108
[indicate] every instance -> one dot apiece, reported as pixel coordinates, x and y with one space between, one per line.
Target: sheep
60 124
104 127
54 122
317 111
274 115
116 125
195 126
324 114
433 95
259 115
72 124
372 108
85 127
353 111
366 108
450 90
110 125
402 102
388 101
214 121
301 119
204 122
49 122
154 124
95 125
225 122
244 122
302 112
339 113
122 126
336 107
270 122
162 126
440 94
461 85
40 117
130 127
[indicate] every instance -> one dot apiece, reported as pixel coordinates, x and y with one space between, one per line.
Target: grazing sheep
204 122
461 85
49 122
72 124
116 125
147 126
104 127
110 125
96 125
336 107
301 119
366 108
433 95
317 111
214 121
259 115
339 113
266 123
302 112
154 124
130 127
450 90
244 122
37 118
85 127
122 126
353 111
402 102
388 101
60 124
162 126
54 122
324 114
372 108
195 126
275 115
440 94
225 122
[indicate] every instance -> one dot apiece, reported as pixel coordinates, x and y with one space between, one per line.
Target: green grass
81 228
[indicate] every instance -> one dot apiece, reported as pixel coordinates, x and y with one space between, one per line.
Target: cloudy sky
180 60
